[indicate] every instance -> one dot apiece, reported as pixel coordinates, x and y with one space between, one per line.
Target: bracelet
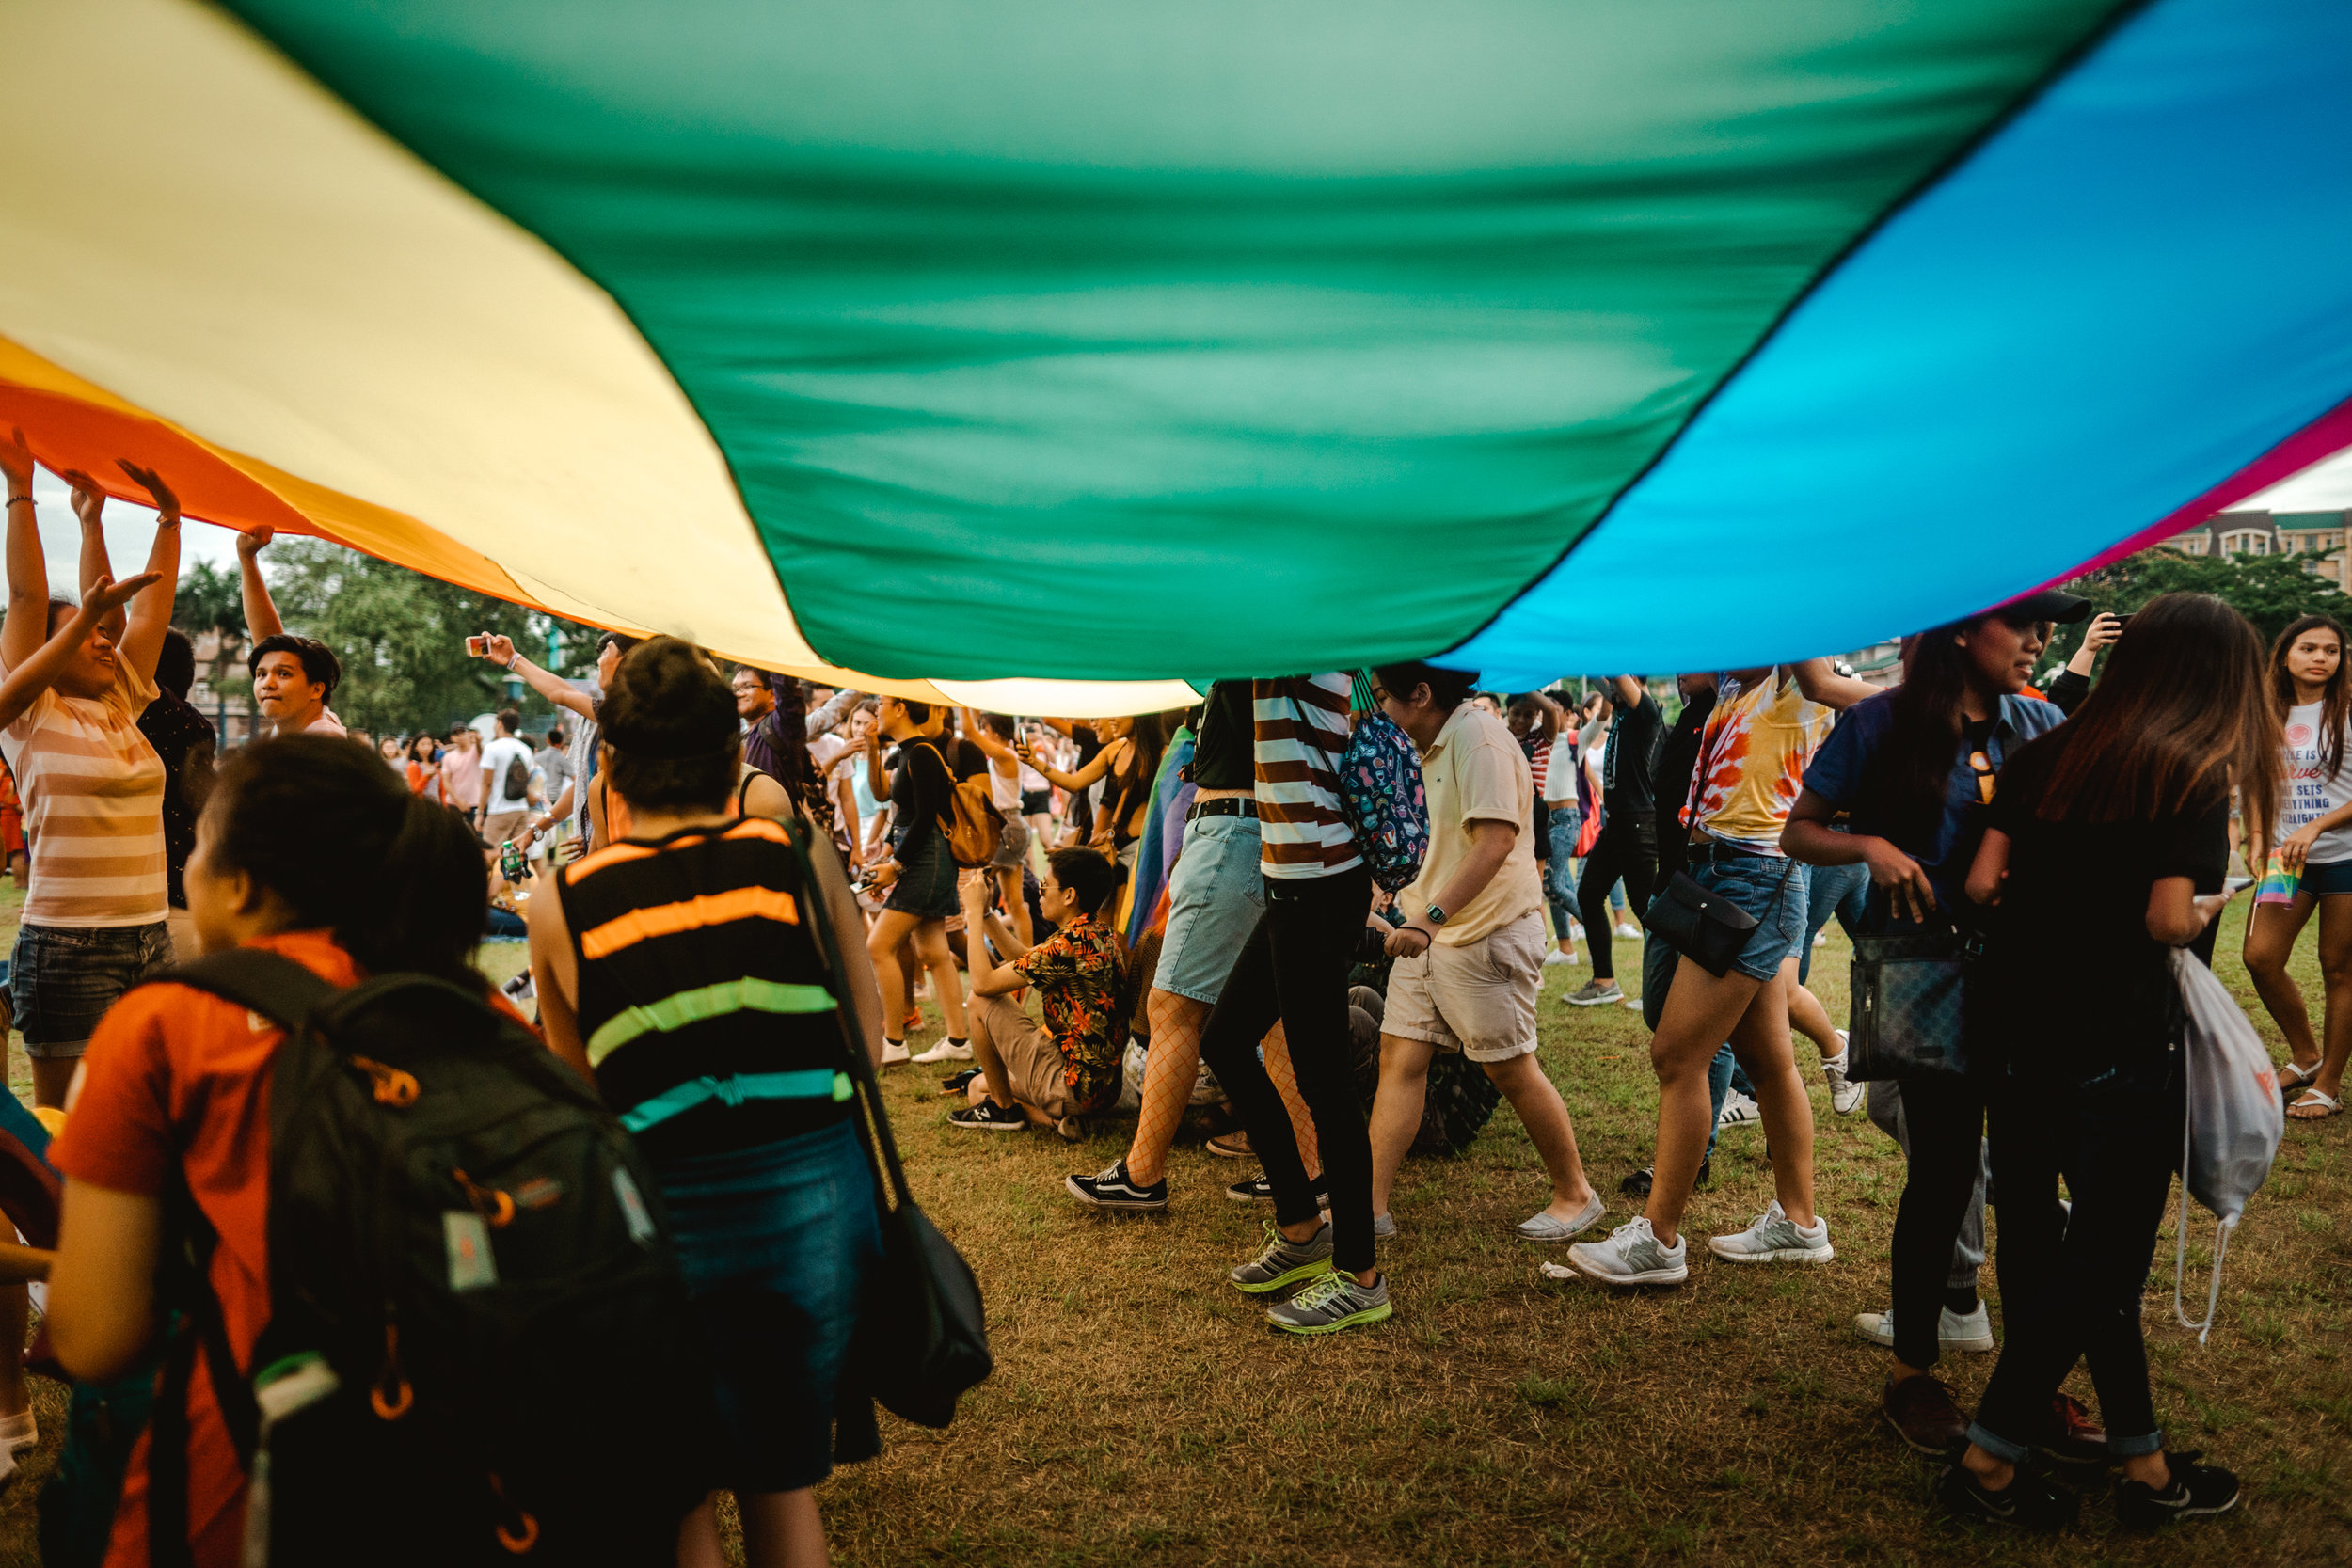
13 499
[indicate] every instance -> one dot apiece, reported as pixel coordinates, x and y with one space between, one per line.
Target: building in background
2318 537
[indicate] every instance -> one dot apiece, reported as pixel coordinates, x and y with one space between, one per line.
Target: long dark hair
298 812
670 721
1909 773
2182 714
2335 698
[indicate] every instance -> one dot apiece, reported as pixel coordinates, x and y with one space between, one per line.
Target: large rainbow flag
1040 353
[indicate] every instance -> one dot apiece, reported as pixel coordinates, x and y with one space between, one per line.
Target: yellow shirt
1474 771
1757 744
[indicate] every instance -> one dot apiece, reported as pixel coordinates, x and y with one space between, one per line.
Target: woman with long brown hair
2313 690
2110 838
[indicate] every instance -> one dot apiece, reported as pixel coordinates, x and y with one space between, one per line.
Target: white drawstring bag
2233 1124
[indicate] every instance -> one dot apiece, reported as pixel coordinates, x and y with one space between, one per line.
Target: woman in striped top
1293 970
683 968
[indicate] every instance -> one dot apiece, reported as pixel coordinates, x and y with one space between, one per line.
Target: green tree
402 636
2268 590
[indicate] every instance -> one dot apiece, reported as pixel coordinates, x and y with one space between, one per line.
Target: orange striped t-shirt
93 792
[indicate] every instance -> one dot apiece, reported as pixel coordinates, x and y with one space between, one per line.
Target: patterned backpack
1381 794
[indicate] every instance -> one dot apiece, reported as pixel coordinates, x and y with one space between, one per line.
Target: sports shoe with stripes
1330 1304
1116 1189
1284 1261
1774 1238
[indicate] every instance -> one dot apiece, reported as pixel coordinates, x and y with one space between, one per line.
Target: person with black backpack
385 1227
683 966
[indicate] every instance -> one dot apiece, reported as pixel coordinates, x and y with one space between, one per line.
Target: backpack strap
271 983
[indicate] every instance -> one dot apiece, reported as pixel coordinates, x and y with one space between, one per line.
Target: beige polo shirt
1474 771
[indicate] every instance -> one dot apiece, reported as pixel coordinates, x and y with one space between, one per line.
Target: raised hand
498 649
107 595
166 503
16 462
90 502
250 544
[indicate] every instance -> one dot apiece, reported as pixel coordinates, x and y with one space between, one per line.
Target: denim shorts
63 979
1769 887
926 887
2327 878
777 1244
1215 897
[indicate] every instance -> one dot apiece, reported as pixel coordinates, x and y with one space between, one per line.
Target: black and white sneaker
2029 1501
1115 1189
958 1082
2197 1491
989 1117
1261 1190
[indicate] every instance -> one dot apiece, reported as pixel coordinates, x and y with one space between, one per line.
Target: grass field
1142 1413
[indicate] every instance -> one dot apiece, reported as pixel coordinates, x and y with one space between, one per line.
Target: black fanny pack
1706 927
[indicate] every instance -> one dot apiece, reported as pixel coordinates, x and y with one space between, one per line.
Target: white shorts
1478 998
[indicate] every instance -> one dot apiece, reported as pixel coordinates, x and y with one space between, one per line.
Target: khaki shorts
1478 999
1032 1061
499 826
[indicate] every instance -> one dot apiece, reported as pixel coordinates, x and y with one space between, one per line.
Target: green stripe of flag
672 1013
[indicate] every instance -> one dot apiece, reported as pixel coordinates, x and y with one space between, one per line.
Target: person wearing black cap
1914 769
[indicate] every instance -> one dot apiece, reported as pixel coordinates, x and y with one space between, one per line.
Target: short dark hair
617 641
919 712
1085 873
174 666
510 720
670 719
555 735
1448 688
319 664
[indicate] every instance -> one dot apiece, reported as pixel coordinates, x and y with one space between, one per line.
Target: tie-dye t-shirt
1758 743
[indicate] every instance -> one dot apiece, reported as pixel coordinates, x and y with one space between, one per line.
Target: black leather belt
1229 805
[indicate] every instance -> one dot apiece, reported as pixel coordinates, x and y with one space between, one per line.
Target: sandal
2322 1106
2291 1078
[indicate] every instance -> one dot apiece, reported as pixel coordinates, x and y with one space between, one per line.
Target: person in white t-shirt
506 770
2309 677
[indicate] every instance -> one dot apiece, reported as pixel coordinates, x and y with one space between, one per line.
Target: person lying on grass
1047 1076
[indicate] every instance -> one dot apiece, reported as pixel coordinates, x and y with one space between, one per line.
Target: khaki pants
1032 1061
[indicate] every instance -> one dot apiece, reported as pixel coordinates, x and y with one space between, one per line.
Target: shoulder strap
861 1063
267 983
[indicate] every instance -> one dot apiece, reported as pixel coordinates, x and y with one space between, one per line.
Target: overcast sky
130 534
2325 487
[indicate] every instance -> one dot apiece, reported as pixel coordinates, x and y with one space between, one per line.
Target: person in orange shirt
176 1075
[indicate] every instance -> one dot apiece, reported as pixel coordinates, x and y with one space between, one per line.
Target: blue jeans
1831 890
777 1242
1559 870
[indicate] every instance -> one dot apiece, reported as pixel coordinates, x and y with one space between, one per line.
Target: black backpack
517 779
468 1242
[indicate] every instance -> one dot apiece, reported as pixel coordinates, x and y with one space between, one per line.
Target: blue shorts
1769 887
62 979
2327 878
1215 897
777 1244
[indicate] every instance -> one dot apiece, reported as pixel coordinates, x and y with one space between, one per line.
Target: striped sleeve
1300 734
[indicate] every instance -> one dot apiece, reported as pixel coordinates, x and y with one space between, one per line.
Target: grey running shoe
1775 1239
1383 1227
1845 1094
1594 993
1330 1304
1543 1228
1632 1254
1285 1261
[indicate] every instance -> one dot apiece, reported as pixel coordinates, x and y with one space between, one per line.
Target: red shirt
169 1064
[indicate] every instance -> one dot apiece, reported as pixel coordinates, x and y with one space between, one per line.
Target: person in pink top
293 678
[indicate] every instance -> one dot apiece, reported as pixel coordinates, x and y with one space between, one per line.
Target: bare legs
1396 1113
781 1529
930 939
1702 1011
2269 942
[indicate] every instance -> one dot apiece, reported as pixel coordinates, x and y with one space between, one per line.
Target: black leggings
2071 1283
1295 968
1944 1140
1627 849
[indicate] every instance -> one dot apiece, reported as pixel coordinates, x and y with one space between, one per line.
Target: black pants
1295 968
2071 1284
1944 1137
1627 848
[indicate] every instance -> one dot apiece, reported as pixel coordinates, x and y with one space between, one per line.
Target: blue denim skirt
777 1244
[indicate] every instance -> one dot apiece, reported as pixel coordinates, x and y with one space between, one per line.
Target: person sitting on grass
1069 1068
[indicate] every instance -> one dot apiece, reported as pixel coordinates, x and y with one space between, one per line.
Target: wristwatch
1435 915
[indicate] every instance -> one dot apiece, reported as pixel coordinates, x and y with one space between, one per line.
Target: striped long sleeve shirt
1301 732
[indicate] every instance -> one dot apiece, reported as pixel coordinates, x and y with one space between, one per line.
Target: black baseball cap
2050 604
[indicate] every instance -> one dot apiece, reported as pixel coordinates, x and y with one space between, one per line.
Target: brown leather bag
975 828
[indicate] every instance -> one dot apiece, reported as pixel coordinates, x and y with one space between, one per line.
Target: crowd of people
741 878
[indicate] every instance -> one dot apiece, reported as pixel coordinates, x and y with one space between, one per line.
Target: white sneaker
946 1051
1630 931
1632 1004
18 1431
1576 931
1738 1110
1557 957
1820 938
1844 1093
1632 1254
895 1056
1775 1239
1973 1332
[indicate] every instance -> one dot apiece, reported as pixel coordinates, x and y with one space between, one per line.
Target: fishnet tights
1172 1066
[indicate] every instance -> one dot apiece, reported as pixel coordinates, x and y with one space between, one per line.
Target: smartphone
2233 886
473 643
2123 621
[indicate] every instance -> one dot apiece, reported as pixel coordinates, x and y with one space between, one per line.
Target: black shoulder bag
1705 928
1910 1014
922 1334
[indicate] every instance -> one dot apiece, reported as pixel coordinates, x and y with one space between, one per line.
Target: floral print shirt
1080 974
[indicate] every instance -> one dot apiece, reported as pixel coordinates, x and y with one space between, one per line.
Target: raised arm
28 678
554 687
1823 685
150 610
260 614
1629 689
830 716
27 626
1084 778
985 738
89 509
